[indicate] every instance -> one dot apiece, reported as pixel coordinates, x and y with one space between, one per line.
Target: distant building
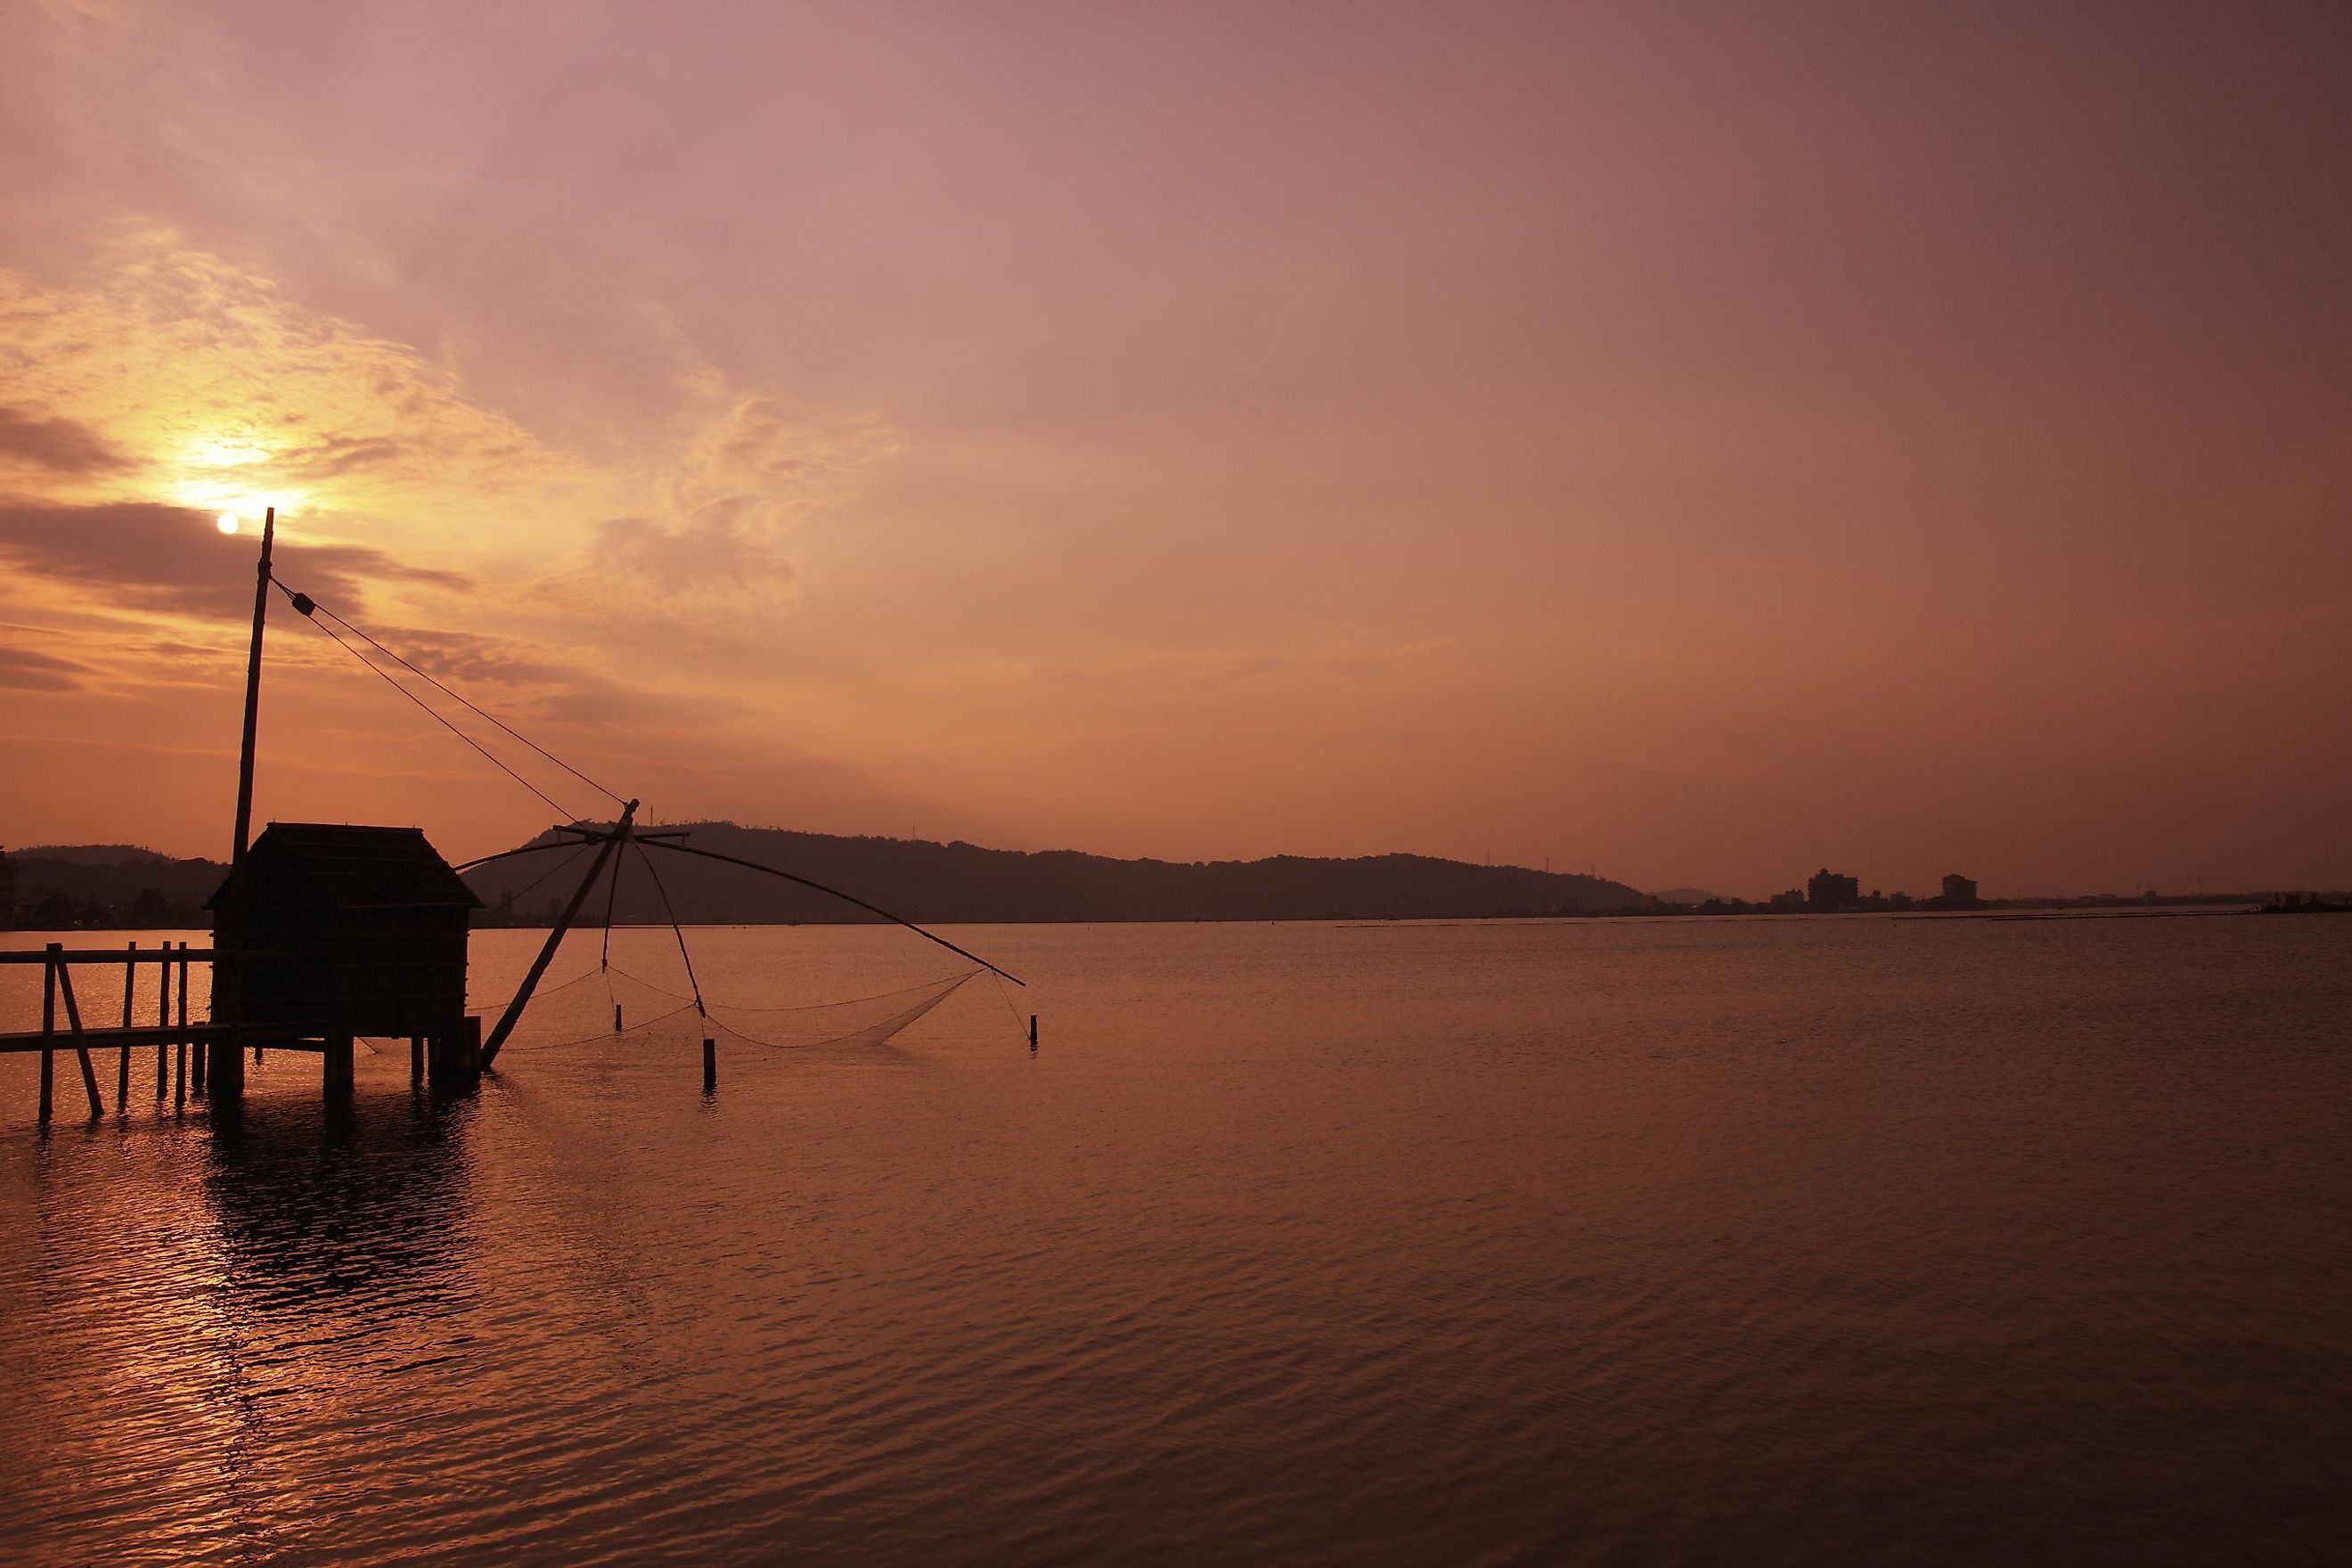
8 889
1782 903
1831 890
1960 893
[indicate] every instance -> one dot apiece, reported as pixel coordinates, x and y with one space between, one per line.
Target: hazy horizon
1795 882
1694 446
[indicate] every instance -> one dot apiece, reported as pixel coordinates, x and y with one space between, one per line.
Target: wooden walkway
182 1045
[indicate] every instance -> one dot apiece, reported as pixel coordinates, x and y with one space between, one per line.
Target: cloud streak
142 556
58 446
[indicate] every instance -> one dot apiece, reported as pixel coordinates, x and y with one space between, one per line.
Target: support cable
684 957
844 897
308 606
386 677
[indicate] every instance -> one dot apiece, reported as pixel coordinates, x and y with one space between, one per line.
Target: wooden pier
185 1048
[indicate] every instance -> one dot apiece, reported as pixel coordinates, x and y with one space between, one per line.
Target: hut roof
341 865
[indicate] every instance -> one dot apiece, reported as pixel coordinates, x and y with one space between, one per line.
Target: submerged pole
180 1047
162 1021
49 1031
123 1064
709 1065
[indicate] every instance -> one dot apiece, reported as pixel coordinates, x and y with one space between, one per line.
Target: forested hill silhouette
962 882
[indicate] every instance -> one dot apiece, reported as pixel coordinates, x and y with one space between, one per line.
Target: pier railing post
198 1052
180 1047
48 1030
122 1063
162 1021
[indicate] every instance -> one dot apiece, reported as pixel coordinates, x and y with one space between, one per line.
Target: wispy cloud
24 670
138 555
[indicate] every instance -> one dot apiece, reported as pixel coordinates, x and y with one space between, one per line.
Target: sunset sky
1699 443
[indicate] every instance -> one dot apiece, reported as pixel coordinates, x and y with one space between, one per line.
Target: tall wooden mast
228 1055
252 696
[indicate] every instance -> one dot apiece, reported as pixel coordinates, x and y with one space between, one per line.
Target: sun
226 523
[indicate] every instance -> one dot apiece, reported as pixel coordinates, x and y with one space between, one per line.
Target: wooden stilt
417 1058
162 1020
225 1068
196 1053
616 1017
336 1065
709 1066
49 1031
122 1067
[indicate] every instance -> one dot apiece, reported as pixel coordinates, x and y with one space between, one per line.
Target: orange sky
1698 443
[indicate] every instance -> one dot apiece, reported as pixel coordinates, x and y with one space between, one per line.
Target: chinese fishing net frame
861 1021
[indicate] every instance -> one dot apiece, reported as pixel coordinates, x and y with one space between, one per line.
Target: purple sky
1703 443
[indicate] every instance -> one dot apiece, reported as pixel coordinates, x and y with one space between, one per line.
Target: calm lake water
1854 1240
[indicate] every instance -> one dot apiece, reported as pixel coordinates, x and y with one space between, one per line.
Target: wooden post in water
616 1017
197 1054
48 1030
417 1058
335 1071
122 1067
162 1022
709 1065
180 1048
82 1046
1032 1031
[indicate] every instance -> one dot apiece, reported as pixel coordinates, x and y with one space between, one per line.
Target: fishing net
583 1010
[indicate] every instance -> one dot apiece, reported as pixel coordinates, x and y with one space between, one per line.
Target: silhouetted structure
347 930
1828 891
1960 893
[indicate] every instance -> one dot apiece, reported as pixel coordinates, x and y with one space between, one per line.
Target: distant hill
113 885
960 882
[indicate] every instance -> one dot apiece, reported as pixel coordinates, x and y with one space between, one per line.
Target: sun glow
227 522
